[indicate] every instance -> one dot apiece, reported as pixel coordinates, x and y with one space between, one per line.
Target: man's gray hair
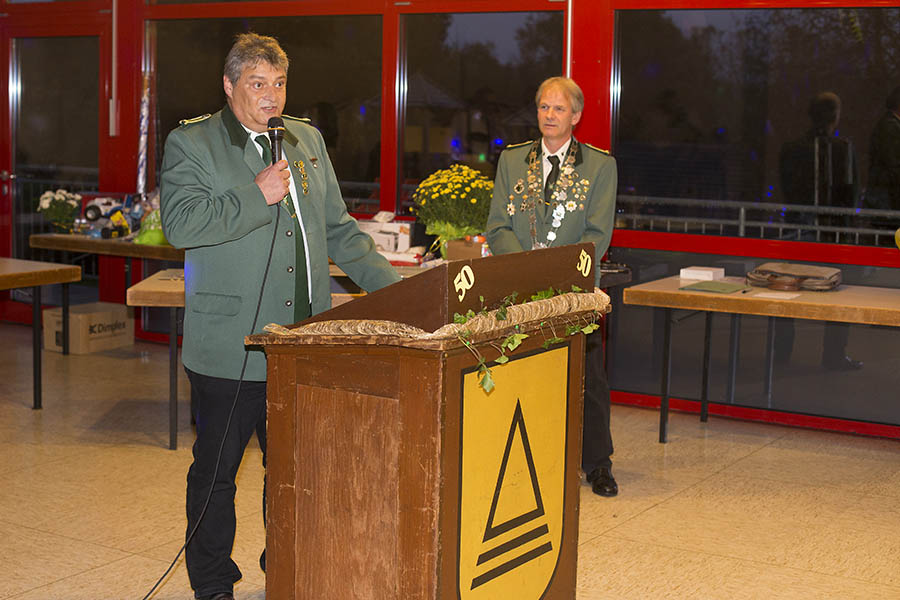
569 88
251 48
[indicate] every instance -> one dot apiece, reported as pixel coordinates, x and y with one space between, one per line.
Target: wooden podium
392 474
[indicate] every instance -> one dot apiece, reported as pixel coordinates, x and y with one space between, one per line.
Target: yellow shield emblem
512 475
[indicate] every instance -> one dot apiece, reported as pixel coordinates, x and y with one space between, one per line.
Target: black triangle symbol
493 530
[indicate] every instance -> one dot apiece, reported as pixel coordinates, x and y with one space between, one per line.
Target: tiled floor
91 501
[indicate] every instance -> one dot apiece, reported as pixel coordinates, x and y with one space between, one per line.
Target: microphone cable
230 413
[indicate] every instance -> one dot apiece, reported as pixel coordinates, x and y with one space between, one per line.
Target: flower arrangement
60 208
453 203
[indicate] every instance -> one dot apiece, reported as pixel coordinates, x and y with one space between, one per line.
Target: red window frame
392 14
590 24
593 66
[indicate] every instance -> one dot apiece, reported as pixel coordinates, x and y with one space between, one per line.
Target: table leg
666 371
65 318
704 393
612 328
173 378
733 355
36 344
770 360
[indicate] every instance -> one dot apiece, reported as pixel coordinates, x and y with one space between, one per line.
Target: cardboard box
392 237
702 273
464 249
92 327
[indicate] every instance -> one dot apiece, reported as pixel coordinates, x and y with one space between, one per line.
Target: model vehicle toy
101 207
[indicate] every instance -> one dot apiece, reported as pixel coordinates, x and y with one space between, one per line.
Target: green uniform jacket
211 206
591 222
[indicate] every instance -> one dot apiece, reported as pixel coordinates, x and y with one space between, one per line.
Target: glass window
806 378
334 79
54 96
471 80
765 123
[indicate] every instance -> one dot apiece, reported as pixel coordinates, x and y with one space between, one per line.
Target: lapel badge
519 187
314 161
304 178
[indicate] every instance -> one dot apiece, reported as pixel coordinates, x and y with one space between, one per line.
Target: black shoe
602 482
842 363
219 596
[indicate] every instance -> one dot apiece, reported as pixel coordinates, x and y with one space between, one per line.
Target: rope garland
538 310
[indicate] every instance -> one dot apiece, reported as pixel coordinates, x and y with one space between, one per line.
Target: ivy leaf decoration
487 379
513 341
502 359
590 328
458 318
576 289
553 340
543 294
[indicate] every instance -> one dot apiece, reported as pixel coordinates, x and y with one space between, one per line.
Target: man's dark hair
825 109
251 48
893 100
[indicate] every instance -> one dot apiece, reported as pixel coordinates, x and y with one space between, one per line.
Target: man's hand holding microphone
275 180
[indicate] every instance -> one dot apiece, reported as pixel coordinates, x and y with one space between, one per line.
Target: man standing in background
553 192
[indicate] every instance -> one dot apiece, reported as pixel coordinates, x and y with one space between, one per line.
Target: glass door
54 85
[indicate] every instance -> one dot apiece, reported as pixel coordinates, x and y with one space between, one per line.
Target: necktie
263 142
301 291
551 178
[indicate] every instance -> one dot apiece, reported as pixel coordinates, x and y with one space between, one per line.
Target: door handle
6 175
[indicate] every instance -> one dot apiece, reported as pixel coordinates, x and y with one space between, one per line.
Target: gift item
790 276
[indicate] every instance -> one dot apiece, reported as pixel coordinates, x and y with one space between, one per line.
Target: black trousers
208 553
596 444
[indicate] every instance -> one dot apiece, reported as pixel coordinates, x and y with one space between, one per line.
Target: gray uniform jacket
211 206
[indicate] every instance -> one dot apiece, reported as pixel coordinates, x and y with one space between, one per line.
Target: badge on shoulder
596 148
184 122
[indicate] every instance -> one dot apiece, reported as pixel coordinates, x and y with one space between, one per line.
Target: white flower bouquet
60 208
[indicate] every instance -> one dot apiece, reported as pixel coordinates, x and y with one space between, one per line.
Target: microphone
275 129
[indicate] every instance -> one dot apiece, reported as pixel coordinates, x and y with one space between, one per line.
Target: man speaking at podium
553 192
227 202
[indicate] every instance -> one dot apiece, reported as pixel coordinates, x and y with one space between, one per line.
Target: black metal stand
666 368
704 393
733 356
36 344
770 360
173 378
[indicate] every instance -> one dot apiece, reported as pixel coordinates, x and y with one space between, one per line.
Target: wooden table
71 242
15 273
848 304
164 289
113 247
